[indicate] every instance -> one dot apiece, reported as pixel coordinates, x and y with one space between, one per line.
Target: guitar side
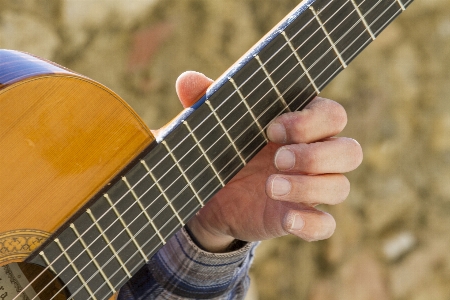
63 137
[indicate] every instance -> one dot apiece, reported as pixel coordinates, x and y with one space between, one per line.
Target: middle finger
333 155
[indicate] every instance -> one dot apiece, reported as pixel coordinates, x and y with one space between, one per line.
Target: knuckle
308 159
300 132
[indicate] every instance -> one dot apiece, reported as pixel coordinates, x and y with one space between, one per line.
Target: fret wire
170 219
119 216
111 247
162 191
248 107
374 21
44 257
172 231
300 61
91 256
287 58
74 267
141 206
200 201
203 152
401 4
225 130
361 47
210 194
369 30
188 202
274 86
328 37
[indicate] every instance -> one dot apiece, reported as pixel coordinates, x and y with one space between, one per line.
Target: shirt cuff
184 269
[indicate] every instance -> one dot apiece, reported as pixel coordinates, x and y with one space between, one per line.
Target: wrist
208 241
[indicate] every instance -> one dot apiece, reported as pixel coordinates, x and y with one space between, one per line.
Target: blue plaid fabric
181 270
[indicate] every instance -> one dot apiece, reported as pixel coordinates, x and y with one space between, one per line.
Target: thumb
190 86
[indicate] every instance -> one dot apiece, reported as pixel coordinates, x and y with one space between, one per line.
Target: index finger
320 119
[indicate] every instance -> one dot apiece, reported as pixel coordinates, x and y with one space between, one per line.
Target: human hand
275 194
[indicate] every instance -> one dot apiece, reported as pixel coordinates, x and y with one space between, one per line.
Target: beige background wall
393 232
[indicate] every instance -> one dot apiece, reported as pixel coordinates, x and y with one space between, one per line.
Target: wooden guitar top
62 138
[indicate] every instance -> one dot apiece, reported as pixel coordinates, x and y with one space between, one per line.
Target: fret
93 244
75 269
142 218
110 246
142 209
379 14
363 19
119 217
346 28
255 119
91 256
300 62
401 5
325 31
140 212
259 93
170 180
204 153
280 96
117 233
285 68
241 128
193 167
150 173
78 259
53 258
183 174
244 162
215 143
47 262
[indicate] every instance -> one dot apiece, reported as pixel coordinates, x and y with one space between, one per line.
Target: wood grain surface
62 138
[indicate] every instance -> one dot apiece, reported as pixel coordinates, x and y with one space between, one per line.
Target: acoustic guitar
88 195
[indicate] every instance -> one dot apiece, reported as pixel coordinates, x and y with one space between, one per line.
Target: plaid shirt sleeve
181 270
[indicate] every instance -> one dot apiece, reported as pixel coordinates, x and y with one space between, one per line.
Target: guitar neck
203 149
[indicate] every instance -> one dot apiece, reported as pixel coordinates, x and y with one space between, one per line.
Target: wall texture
393 232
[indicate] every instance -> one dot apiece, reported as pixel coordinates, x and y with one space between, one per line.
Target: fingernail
280 186
298 223
284 159
276 133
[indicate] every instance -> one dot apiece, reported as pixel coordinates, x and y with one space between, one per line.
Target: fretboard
109 242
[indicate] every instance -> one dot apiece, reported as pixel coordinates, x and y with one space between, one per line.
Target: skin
275 194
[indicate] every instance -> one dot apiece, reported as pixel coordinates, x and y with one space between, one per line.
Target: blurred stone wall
393 232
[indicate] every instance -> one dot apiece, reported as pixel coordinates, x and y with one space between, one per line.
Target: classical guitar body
63 137
88 195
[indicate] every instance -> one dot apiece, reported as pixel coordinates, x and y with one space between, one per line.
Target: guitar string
321 86
175 148
134 268
263 142
244 148
163 207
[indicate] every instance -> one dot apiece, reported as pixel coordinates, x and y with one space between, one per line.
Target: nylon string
230 128
294 99
244 148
